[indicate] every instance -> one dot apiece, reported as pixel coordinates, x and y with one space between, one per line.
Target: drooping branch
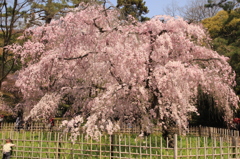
209 59
118 79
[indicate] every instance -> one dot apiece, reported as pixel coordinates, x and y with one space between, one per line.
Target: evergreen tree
43 11
227 5
135 8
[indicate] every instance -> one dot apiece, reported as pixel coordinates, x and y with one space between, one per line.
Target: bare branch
79 57
99 28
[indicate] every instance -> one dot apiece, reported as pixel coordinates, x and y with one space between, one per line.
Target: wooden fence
194 130
211 143
33 126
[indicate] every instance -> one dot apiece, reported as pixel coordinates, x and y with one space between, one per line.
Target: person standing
7 148
1 120
51 123
18 123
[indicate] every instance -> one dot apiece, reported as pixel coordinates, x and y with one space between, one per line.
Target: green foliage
62 109
216 23
136 8
46 10
224 29
235 63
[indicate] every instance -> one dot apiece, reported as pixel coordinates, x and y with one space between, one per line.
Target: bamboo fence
210 143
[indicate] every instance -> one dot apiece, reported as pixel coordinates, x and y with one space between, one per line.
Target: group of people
21 124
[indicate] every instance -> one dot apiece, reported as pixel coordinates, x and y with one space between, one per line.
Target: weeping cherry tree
114 71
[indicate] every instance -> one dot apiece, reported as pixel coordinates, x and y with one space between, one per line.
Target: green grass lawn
50 145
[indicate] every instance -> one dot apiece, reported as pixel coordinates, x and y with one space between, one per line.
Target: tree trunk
168 133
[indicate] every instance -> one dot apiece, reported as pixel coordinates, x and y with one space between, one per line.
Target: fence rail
210 143
194 130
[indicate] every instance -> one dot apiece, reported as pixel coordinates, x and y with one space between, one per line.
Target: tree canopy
114 71
227 5
135 8
43 11
195 11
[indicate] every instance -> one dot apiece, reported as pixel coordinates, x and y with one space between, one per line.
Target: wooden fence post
100 146
210 132
111 146
234 144
175 147
72 150
200 130
59 137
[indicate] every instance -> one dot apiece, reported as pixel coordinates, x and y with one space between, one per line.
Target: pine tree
135 8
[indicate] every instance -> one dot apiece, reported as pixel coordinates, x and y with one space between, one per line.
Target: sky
156 7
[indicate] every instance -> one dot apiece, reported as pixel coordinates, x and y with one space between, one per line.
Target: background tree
172 9
136 8
11 25
43 11
227 5
195 10
116 73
